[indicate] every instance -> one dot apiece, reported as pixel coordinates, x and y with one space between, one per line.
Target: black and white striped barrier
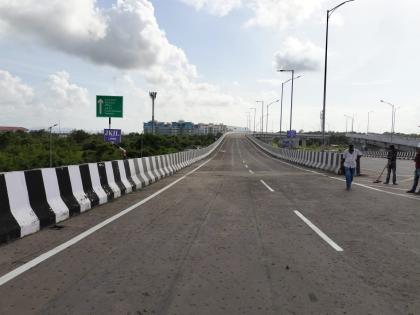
383 154
327 161
31 200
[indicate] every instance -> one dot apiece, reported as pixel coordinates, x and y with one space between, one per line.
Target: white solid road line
251 171
319 232
36 261
265 184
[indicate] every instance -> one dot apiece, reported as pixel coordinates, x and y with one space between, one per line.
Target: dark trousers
416 179
392 167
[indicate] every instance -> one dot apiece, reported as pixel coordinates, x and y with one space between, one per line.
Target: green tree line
23 151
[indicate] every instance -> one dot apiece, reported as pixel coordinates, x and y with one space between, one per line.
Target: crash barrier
327 161
34 199
383 154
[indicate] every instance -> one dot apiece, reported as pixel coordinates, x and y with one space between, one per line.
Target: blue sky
209 61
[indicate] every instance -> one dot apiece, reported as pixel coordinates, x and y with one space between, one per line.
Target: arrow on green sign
100 103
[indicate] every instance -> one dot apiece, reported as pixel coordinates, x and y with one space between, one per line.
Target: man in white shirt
350 163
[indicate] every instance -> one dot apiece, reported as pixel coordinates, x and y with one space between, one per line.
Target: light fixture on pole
392 117
262 115
248 120
50 128
266 121
291 97
352 122
281 100
153 97
329 13
368 122
255 114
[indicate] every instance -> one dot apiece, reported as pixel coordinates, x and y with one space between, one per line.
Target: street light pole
352 122
248 120
392 117
262 115
50 128
266 122
291 96
329 13
367 129
255 113
153 97
281 100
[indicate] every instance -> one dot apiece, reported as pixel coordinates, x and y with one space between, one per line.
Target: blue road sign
112 135
291 133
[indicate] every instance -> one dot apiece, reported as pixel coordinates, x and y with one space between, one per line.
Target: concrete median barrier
327 161
34 199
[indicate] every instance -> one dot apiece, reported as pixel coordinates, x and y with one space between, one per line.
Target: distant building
184 128
12 129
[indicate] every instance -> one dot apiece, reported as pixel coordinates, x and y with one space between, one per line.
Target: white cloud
57 22
297 55
215 7
14 93
281 13
64 94
125 36
266 13
58 98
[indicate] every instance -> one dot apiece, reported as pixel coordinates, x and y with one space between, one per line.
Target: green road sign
109 106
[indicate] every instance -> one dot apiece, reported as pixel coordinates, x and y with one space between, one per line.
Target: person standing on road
350 163
392 165
416 172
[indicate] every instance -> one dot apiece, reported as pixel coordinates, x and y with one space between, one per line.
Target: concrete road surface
243 234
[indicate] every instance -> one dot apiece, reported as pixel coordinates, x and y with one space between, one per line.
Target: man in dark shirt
416 172
392 165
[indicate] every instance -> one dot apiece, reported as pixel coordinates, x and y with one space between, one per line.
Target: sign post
109 106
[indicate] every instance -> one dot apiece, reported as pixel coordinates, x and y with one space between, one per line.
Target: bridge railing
383 154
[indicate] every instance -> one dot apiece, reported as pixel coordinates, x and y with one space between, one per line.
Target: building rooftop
12 129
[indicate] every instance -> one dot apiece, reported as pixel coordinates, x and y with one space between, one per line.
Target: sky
209 61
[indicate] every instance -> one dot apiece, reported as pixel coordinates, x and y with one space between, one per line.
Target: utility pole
255 113
153 97
50 128
329 12
262 116
291 95
368 123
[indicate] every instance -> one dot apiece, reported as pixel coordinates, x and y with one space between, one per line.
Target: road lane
381 231
221 243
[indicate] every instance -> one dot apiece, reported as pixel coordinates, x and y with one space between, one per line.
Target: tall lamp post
352 122
281 100
50 128
368 123
266 121
392 117
329 13
255 113
291 97
153 97
262 115
248 120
